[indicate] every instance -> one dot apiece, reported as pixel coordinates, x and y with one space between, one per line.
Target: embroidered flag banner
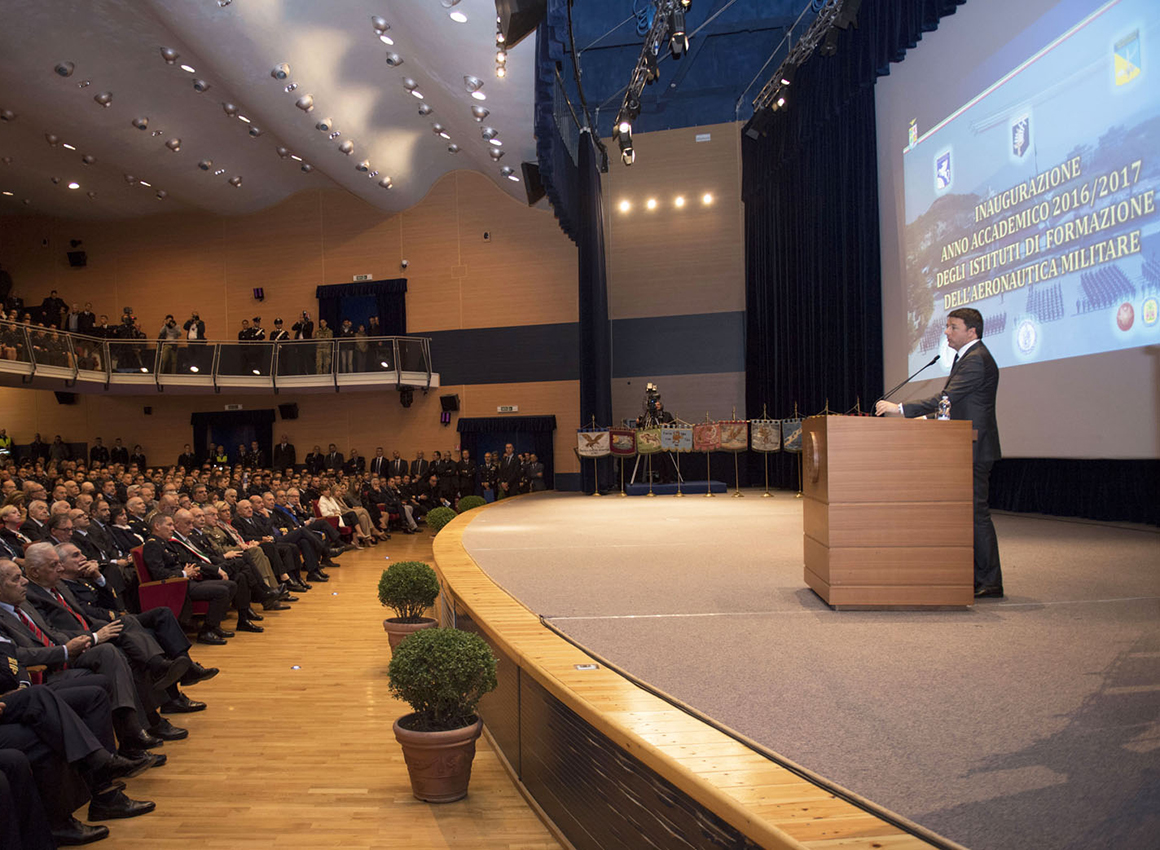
648 441
765 435
623 442
734 435
707 437
791 434
591 443
677 438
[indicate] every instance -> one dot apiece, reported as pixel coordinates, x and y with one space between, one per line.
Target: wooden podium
887 518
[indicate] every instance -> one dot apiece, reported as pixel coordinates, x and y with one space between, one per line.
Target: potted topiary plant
439 517
441 674
409 588
469 502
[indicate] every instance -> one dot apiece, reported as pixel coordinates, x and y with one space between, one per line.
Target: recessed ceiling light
706 199
74 185
458 17
6 192
243 118
679 200
651 203
513 178
417 93
625 206
143 183
188 69
495 142
478 95
295 157
386 39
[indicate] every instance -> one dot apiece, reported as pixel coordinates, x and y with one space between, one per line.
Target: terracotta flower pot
397 630
439 763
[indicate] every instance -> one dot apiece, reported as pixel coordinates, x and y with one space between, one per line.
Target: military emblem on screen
1127 58
1027 336
942 172
1148 311
1021 136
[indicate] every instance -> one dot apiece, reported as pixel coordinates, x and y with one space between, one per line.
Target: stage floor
1027 722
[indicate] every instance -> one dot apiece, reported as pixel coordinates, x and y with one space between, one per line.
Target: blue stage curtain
558 172
390 297
813 271
1102 489
534 433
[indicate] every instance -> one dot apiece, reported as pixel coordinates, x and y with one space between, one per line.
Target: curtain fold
558 172
813 268
390 302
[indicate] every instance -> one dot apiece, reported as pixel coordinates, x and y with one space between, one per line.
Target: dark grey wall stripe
707 343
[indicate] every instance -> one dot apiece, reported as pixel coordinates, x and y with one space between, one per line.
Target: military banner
623 442
765 435
734 435
791 434
648 441
707 437
677 438
593 443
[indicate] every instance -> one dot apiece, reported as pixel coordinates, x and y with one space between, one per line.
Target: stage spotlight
623 133
678 38
787 75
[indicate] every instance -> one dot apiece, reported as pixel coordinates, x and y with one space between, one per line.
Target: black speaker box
78 259
65 398
518 18
449 403
288 411
532 184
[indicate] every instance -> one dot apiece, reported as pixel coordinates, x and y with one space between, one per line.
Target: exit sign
508 408
359 278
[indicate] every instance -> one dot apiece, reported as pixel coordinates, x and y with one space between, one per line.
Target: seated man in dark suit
36 526
294 513
234 569
67 736
206 583
69 658
253 525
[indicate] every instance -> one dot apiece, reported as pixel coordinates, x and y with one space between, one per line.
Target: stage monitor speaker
532 183
449 403
518 18
288 411
78 259
65 398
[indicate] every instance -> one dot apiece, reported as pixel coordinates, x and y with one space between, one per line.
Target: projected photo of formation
1035 201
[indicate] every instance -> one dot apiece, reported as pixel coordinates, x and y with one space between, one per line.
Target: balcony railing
35 352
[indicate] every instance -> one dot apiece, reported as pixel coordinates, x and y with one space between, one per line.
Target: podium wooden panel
887 519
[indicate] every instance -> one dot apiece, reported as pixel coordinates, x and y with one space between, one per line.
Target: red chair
346 533
166 593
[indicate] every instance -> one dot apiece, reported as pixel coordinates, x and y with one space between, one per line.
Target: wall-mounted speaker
78 259
532 183
519 18
148 411
449 403
288 411
65 398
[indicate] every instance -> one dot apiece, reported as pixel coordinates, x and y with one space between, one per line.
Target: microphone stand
911 378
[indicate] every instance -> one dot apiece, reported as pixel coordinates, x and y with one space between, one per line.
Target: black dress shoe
274 605
251 614
994 592
317 576
165 672
336 551
222 633
140 740
330 565
181 705
211 637
166 731
155 759
197 673
290 599
247 626
118 767
72 832
116 805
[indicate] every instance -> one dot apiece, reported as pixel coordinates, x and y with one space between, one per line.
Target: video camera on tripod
654 409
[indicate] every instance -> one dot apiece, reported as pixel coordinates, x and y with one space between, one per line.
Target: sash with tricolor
623 442
791 434
765 435
593 442
734 435
676 438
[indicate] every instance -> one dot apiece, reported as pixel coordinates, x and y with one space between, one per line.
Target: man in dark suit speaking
971 388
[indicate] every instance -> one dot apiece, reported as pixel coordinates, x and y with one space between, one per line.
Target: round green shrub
442 674
469 502
409 588
439 517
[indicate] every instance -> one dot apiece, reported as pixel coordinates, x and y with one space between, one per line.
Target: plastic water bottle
944 406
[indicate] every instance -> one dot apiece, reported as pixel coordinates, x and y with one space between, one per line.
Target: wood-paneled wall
361 420
676 261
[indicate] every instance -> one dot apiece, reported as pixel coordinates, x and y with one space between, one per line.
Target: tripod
649 420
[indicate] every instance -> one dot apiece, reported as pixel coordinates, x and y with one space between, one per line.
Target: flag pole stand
766 494
799 492
737 494
650 493
680 495
595 477
622 493
709 494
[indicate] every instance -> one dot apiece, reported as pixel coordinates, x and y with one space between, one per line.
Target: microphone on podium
934 360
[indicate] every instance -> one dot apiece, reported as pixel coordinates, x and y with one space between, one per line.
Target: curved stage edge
611 764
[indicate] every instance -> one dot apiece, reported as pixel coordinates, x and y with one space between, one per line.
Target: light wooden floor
305 757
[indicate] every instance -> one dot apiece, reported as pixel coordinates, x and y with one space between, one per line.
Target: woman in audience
328 505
